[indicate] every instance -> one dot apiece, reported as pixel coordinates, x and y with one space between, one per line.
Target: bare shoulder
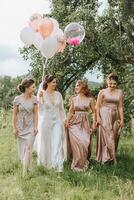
120 92
92 100
102 92
72 97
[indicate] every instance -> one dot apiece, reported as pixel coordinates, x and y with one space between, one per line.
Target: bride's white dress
51 138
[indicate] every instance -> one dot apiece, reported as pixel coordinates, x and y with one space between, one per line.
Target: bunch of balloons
46 36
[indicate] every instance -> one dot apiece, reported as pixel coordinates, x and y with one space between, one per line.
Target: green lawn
98 183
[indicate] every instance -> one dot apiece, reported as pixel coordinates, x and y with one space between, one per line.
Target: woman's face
78 88
31 89
112 84
52 85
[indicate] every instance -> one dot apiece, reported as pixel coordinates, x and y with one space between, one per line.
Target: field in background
100 182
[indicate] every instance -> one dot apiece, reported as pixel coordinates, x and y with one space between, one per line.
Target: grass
100 182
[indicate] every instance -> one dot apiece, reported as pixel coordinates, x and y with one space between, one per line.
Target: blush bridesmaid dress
108 130
79 134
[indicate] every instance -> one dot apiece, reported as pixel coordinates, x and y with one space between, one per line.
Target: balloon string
44 67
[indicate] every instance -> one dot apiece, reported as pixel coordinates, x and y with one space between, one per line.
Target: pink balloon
34 21
74 41
45 27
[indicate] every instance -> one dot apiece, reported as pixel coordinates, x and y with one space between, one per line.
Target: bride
51 140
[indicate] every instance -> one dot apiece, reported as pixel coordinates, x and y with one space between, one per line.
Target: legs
25 151
26 159
79 142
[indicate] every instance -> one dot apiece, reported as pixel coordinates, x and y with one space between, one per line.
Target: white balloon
38 41
49 47
27 35
55 25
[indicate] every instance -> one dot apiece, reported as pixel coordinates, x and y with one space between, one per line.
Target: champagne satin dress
79 134
108 130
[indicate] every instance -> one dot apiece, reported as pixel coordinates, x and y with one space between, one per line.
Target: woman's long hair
85 90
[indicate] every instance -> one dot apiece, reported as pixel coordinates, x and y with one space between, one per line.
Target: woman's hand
121 124
41 94
15 132
35 132
66 124
98 122
90 131
94 126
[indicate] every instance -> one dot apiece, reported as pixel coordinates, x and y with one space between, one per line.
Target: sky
14 16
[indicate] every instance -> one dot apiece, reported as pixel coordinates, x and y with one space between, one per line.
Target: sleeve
62 110
16 101
35 101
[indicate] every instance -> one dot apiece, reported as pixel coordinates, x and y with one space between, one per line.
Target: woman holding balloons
51 140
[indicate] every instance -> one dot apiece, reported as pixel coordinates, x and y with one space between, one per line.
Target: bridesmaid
78 126
25 119
109 110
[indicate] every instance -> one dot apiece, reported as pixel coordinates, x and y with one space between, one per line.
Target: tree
108 45
8 91
116 47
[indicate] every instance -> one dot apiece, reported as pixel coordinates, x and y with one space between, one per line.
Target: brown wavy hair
86 91
25 83
110 77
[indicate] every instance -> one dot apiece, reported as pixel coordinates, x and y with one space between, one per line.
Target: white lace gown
51 138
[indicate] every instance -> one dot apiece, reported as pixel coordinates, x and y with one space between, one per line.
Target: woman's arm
71 112
98 105
14 122
121 110
62 110
92 107
35 119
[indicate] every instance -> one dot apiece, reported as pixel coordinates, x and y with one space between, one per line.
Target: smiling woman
13 16
109 110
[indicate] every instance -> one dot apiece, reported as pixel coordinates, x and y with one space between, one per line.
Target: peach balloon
45 27
34 21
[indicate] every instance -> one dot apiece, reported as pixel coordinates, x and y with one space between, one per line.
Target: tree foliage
108 45
8 90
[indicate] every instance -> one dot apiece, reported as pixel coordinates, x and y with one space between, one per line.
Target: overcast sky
14 15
